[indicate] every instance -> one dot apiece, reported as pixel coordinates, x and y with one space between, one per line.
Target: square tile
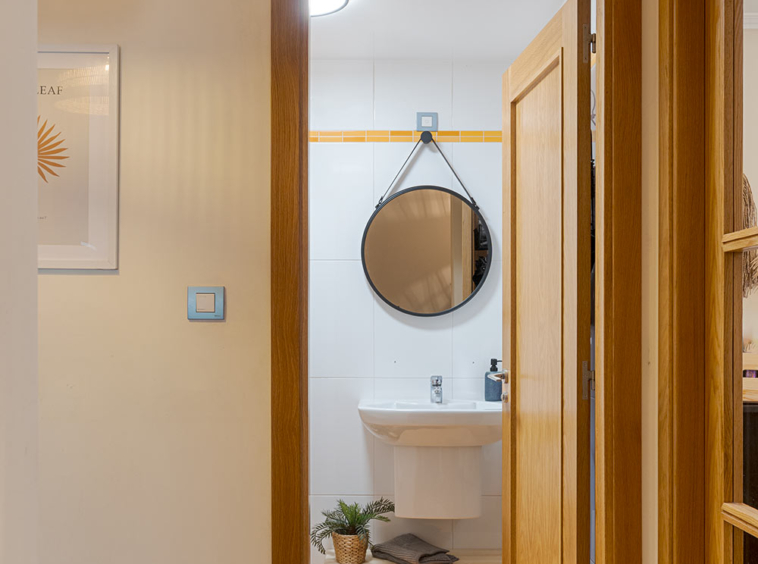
411 347
341 321
341 95
342 450
484 532
478 328
426 168
478 95
480 166
471 389
340 198
414 389
403 88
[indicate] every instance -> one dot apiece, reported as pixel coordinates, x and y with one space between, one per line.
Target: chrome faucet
436 389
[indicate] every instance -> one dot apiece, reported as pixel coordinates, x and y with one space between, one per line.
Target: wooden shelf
740 240
742 516
749 361
750 390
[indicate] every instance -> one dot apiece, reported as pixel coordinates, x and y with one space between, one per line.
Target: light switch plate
206 303
426 121
197 302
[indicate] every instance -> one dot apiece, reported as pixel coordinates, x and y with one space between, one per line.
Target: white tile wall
341 198
342 95
426 166
403 88
478 328
477 96
484 532
359 347
341 321
409 346
342 450
468 389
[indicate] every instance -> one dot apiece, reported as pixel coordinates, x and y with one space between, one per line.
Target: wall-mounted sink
438 453
449 424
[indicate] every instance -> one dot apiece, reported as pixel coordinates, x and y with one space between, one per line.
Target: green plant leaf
350 519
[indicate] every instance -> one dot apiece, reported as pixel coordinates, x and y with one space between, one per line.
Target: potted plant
348 525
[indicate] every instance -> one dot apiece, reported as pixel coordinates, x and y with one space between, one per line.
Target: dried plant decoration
749 258
49 152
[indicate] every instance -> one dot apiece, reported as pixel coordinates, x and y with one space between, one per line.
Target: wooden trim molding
723 285
289 288
618 320
700 286
681 446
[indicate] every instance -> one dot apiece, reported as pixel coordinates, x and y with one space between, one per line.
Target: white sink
450 424
438 453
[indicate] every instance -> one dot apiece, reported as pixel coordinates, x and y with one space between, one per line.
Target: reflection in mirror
426 250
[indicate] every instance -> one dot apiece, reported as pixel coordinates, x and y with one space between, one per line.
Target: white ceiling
494 30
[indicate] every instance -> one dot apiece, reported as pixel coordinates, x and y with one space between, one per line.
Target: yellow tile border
401 136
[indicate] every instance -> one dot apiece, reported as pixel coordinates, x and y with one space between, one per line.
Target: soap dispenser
493 390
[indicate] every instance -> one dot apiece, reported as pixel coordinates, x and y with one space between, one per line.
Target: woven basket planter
349 549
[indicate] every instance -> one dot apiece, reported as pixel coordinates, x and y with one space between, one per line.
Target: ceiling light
326 7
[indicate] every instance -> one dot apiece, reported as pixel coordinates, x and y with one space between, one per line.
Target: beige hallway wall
18 284
154 431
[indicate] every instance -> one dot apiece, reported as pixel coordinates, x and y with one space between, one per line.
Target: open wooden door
547 273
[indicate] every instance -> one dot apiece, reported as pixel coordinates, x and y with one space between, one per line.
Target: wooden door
547 272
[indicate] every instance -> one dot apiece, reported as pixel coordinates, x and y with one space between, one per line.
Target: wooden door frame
700 287
619 240
290 518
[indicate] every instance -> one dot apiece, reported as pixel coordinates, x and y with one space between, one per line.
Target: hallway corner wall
18 284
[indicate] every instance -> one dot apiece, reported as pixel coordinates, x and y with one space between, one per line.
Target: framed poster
77 156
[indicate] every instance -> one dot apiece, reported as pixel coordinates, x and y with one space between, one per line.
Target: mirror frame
483 222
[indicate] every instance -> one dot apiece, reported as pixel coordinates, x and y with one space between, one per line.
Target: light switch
206 303
426 121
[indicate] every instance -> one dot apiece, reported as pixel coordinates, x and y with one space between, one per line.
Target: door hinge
588 380
590 42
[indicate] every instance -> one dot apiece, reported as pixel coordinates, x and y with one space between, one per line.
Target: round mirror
426 251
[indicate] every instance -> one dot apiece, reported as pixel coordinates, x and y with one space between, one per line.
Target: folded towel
409 549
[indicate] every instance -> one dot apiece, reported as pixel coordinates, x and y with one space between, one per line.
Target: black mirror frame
482 222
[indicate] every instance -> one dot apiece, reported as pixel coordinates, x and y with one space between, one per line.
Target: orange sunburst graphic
49 153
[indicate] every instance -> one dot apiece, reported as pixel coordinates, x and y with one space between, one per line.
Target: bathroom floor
466 557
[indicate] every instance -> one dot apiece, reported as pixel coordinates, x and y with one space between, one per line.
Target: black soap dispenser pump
493 390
